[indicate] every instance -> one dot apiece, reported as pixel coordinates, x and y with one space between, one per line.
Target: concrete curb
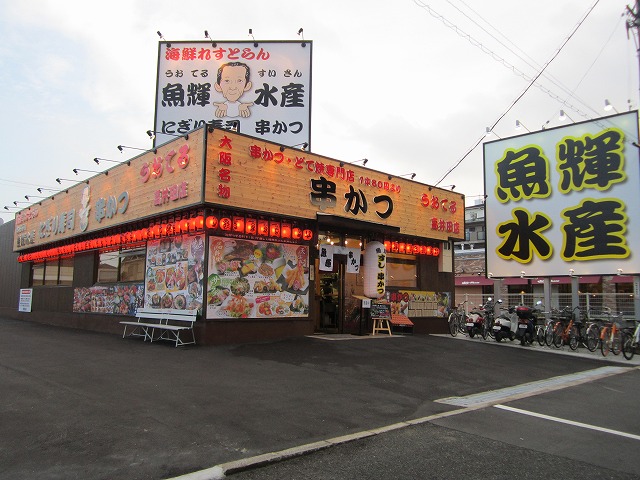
219 472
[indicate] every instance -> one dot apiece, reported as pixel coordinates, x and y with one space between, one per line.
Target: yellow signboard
248 173
148 185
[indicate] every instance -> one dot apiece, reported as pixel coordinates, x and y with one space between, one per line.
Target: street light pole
633 22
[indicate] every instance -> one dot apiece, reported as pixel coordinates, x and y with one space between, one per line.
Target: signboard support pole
547 294
636 295
575 287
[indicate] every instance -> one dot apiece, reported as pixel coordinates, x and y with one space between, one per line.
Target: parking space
595 420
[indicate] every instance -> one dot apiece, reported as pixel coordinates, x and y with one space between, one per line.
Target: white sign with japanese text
26 297
263 88
565 200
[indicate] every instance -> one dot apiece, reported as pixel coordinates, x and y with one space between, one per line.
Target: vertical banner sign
375 270
326 258
262 89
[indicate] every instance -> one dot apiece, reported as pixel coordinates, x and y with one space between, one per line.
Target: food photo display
174 273
252 279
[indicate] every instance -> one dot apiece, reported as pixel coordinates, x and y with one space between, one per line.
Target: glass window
108 267
58 271
122 266
51 273
132 263
66 271
402 271
37 274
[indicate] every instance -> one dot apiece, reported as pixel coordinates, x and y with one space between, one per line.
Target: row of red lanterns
410 248
132 237
235 224
259 227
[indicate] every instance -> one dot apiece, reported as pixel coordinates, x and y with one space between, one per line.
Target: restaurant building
265 241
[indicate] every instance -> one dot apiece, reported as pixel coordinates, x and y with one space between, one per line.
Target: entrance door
339 309
330 299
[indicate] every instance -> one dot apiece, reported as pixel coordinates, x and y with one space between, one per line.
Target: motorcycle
478 321
505 324
527 317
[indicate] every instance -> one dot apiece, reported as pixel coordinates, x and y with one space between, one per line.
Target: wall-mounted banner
262 88
121 299
175 273
564 200
254 279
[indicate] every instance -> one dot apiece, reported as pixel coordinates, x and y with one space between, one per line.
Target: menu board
380 310
175 273
255 279
413 303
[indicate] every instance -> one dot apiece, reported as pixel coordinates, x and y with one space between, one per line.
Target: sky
411 85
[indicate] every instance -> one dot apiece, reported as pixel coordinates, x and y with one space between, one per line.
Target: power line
531 62
531 83
461 33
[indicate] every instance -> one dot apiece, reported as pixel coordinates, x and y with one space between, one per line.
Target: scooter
527 317
505 324
477 320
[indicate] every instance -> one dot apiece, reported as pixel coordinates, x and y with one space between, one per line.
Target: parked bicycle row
601 330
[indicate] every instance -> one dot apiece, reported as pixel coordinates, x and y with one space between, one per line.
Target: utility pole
633 25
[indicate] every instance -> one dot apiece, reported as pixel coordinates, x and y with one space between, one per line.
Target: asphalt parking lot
85 405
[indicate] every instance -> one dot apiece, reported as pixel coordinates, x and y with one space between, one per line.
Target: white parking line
524 390
569 422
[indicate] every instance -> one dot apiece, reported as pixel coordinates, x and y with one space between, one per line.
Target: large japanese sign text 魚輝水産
564 200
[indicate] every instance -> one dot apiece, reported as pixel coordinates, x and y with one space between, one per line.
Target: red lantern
199 222
408 248
225 224
387 246
251 226
423 249
156 231
263 227
212 222
274 229
436 251
394 247
428 250
238 224
184 225
296 233
416 249
285 230
307 234
401 247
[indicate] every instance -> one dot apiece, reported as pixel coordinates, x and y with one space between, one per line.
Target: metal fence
593 304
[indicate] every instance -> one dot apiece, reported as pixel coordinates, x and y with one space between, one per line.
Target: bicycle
587 333
610 337
489 314
458 319
541 331
630 341
564 331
